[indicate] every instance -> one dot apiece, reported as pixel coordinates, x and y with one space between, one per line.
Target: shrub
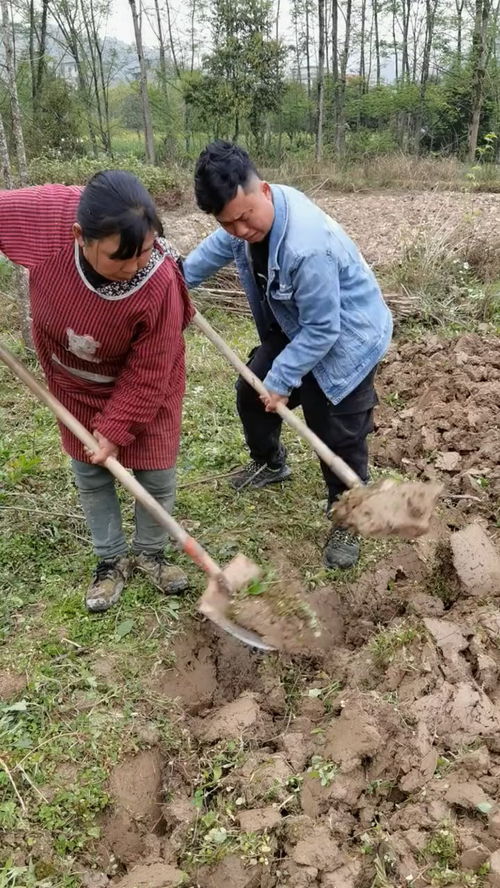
78 170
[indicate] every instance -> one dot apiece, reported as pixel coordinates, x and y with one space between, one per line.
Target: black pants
344 428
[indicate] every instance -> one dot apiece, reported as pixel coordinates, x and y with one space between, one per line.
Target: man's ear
77 234
266 190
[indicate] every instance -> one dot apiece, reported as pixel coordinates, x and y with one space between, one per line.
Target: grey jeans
96 487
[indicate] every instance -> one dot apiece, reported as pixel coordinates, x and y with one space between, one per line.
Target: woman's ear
77 234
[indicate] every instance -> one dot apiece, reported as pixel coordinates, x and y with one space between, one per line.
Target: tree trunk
478 65
395 39
308 53
321 79
23 299
430 20
335 67
377 40
92 40
42 61
341 121
5 173
12 92
460 14
103 82
406 27
143 81
362 50
31 49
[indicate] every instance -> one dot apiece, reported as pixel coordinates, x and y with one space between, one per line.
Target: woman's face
99 254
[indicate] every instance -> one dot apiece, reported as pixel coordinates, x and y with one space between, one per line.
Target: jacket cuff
274 383
117 432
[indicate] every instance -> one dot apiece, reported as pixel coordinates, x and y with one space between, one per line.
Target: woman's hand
106 448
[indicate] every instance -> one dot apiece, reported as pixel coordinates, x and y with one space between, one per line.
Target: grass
388 171
62 734
387 642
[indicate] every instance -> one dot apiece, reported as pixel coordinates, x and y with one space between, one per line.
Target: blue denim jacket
320 291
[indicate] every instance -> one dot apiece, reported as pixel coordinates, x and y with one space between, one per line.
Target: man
319 312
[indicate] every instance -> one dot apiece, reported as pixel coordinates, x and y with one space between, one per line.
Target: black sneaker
259 475
342 549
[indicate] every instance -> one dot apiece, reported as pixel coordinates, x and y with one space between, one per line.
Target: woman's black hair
115 202
221 169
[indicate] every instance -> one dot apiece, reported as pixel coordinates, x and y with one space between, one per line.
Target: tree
321 80
242 80
21 276
481 47
143 83
12 92
375 9
430 20
341 86
5 173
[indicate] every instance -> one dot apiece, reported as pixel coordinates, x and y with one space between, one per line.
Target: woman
108 306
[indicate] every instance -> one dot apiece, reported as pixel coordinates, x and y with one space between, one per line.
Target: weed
326 694
213 769
323 770
387 642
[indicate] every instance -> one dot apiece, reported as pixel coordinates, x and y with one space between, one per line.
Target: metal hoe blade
215 601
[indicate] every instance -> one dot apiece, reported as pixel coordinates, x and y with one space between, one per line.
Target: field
143 749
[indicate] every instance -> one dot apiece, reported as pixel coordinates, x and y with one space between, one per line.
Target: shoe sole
257 485
99 605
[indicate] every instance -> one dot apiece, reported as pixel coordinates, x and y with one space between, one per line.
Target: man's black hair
115 202
220 170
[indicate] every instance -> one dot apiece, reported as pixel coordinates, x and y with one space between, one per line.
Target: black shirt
259 254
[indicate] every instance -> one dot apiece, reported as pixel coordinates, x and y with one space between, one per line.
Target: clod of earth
474 858
351 737
230 721
388 508
154 875
494 873
11 684
258 819
467 795
476 561
230 873
136 787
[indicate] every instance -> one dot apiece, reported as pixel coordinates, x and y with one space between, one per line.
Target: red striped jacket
116 363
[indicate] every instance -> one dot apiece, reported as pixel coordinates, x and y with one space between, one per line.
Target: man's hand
106 448
271 401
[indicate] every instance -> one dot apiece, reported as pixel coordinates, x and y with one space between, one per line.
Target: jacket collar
279 225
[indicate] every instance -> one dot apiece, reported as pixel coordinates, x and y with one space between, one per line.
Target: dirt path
379 223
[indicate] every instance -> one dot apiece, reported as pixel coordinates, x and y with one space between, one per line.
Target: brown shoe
107 583
166 577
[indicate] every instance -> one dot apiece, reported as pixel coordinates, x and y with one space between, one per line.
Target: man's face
99 253
250 214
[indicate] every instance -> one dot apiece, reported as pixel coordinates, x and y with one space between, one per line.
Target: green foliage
242 80
78 170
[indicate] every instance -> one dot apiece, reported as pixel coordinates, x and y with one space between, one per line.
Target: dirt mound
136 789
367 755
192 676
438 417
11 684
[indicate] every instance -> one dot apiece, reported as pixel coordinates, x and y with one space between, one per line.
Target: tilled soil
375 753
439 417
367 755
394 219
